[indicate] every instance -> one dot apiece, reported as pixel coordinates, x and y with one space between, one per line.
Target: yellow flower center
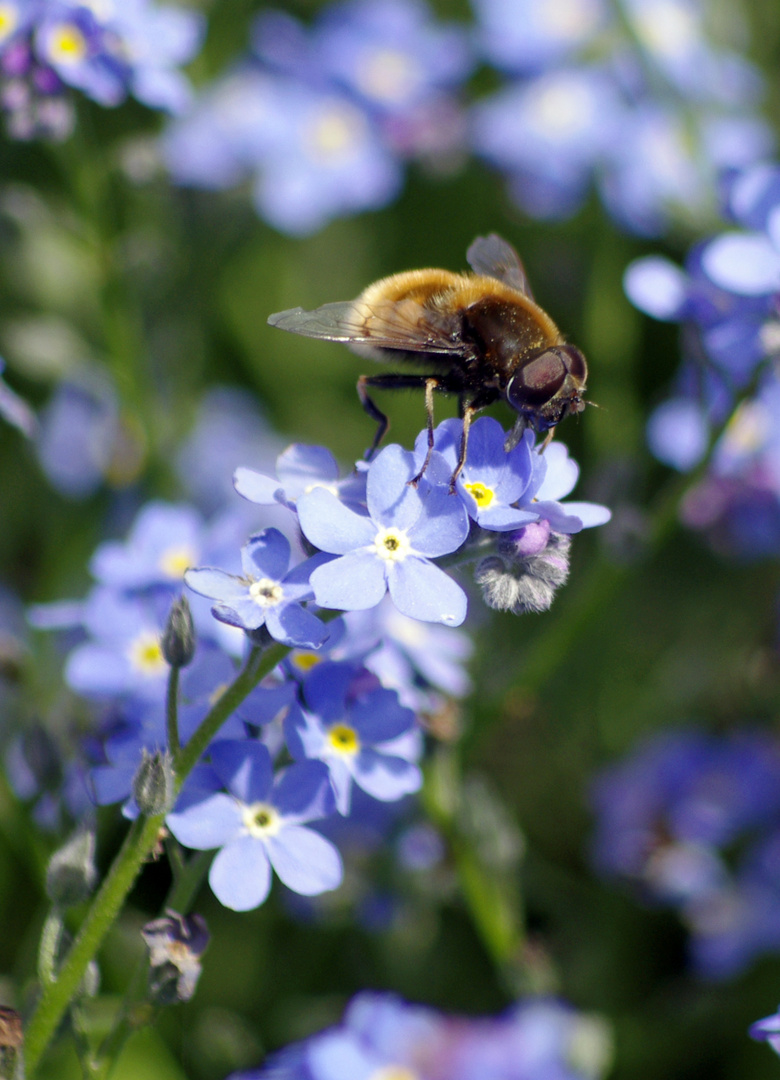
482 496
305 661
569 18
265 592
335 131
392 544
559 112
176 560
68 44
261 820
393 1072
748 428
9 20
670 29
387 75
146 655
344 739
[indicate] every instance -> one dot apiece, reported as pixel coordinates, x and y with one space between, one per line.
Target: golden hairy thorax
503 313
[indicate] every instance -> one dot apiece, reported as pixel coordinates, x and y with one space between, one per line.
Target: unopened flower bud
531 539
527 583
178 638
71 874
153 783
176 944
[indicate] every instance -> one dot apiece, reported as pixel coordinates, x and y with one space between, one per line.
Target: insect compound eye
574 361
538 380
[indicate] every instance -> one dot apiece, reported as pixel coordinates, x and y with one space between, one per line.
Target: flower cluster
338 722
638 100
728 300
320 119
107 51
693 822
381 1035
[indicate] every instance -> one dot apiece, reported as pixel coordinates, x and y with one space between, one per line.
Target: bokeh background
146 295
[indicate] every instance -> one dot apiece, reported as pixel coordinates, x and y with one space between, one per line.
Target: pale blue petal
743 263
391 499
352 583
589 514
330 525
305 862
443 526
678 433
257 488
244 767
657 287
504 518
380 716
423 591
215 584
301 468
341 781
266 555
384 777
562 473
559 517
340 1055
210 823
302 792
93 670
240 876
293 625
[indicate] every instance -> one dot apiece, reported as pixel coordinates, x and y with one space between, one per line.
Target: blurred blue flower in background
107 51
669 819
728 301
383 1036
320 119
638 103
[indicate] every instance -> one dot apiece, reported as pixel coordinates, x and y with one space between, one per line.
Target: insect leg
547 440
393 381
515 435
468 413
382 422
430 385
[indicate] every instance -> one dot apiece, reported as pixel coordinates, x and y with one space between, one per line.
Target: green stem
138 844
91 177
259 664
56 996
188 879
171 713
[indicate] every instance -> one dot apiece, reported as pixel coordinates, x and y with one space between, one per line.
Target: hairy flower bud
176 943
178 639
519 582
153 783
71 873
11 1039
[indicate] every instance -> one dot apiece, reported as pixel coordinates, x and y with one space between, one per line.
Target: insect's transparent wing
386 324
494 257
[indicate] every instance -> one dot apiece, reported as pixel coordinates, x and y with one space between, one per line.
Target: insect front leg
393 381
430 385
368 405
468 413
